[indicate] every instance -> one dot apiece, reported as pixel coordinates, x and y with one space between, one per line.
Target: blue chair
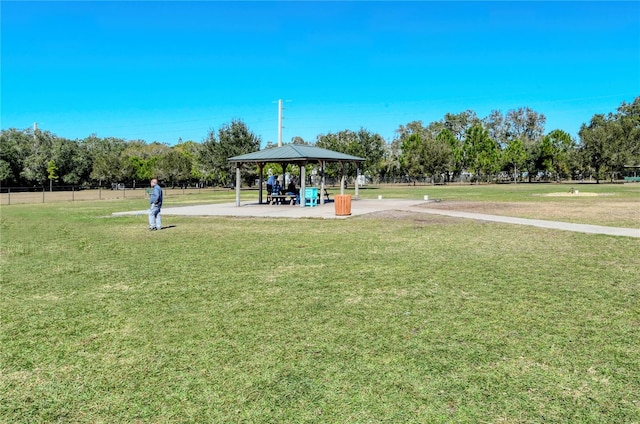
311 196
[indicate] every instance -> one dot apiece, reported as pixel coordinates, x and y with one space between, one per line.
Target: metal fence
23 195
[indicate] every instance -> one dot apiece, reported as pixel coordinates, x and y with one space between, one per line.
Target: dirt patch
417 217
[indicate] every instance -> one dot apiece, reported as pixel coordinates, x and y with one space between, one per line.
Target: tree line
510 146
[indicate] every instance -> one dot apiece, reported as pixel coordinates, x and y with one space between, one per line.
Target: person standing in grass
155 200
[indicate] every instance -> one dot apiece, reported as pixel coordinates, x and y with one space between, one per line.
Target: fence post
73 193
124 190
100 193
9 195
42 194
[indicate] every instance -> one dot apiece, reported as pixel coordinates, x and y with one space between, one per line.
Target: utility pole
280 123
280 118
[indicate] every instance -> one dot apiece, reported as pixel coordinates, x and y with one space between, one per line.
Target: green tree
52 173
143 169
15 145
628 131
514 156
459 123
482 154
233 139
191 151
412 155
455 155
139 161
28 155
37 159
524 124
498 128
391 166
527 126
544 160
363 143
599 143
72 161
105 156
436 156
556 153
174 167
369 146
609 142
426 151
410 141
5 171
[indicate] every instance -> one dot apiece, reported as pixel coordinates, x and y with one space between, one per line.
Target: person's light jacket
156 196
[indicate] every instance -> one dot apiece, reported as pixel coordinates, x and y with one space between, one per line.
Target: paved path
365 206
556 225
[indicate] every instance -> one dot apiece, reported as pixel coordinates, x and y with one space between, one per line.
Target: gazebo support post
238 181
303 170
260 168
342 178
357 178
322 182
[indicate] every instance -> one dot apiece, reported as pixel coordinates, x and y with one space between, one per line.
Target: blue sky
160 71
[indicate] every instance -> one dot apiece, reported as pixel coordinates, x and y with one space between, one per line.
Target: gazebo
297 154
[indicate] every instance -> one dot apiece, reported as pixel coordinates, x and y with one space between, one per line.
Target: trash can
343 204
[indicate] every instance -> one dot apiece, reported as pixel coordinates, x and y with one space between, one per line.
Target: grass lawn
364 320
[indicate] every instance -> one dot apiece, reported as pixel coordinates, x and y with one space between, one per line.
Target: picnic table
312 197
282 198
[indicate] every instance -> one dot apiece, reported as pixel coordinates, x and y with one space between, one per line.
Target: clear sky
160 71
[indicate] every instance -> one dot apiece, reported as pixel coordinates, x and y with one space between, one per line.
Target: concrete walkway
365 206
556 225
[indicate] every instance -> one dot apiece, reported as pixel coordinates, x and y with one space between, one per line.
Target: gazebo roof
295 153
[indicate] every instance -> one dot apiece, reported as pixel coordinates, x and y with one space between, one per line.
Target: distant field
599 204
615 205
23 197
415 319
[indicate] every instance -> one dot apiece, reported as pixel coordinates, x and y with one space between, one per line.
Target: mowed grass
414 319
